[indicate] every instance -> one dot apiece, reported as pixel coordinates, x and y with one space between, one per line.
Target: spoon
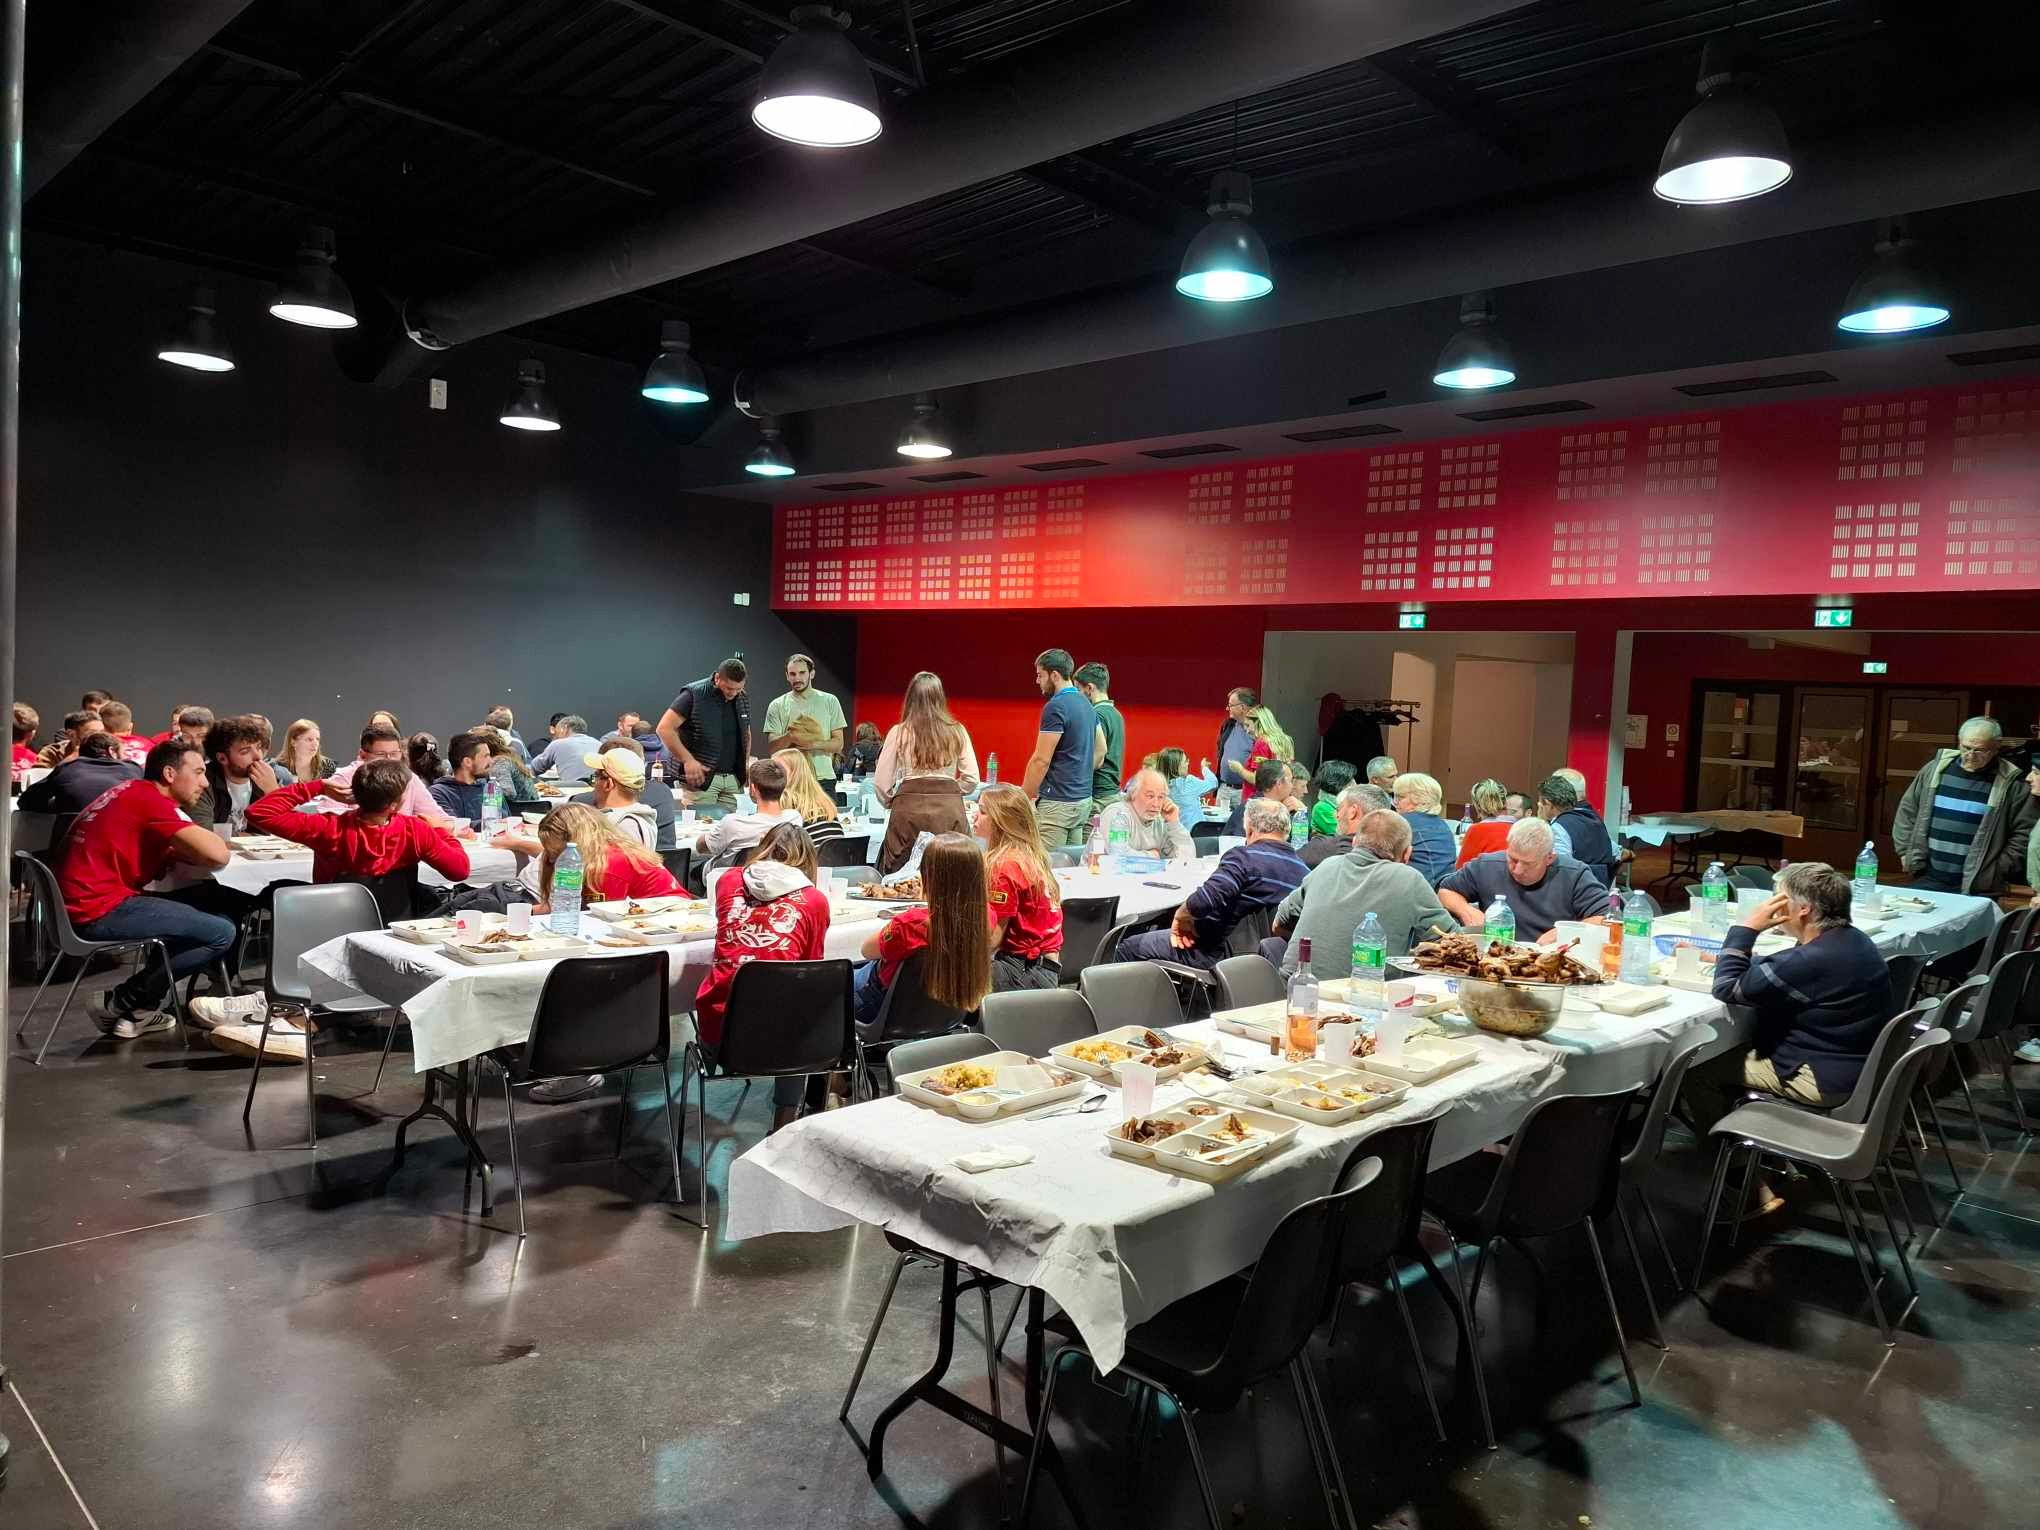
1082 1108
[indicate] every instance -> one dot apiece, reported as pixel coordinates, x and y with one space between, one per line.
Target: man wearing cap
806 719
617 776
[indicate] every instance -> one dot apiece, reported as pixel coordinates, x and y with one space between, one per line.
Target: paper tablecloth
1954 922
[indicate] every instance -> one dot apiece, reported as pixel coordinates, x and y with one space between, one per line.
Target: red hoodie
766 913
343 846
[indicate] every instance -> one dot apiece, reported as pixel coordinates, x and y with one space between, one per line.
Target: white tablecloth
1954 922
1658 833
1139 892
243 873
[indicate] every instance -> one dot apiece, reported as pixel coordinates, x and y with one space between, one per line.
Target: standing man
1963 824
1234 745
806 719
1058 774
707 734
1109 747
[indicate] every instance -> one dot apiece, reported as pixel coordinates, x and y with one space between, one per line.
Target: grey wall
277 539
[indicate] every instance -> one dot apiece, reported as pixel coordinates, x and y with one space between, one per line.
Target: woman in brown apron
924 771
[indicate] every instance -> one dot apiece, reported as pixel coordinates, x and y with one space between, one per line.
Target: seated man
570 747
1539 886
1420 799
1151 820
1374 877
1271 780
618 779
26 721
1356 801
187 721
379 741
505 723
120 844
1593 846
1248 878
458 794
237 774
1556 801
65 745
118 718
1819 1004
740 831
80 781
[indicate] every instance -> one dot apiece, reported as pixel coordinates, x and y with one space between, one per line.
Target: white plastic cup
1335 1042
1137 1082
467 924
1390 1031
1749 899
687 818
519 917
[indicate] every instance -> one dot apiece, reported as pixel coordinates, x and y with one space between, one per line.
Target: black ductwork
1139 67
1858 180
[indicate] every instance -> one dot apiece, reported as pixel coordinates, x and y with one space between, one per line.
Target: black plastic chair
1085 923
1560 1172
905 1014
598 1014
1032 1020
782 1018
1139 924
678 862
1244 981
1641 1156
1131 993
846 850
57 920
1205 1351
1746 875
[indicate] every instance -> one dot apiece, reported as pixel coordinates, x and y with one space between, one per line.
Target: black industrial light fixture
1226 261
531 407
1731 145
816 89
771 459
1477 357
923 437
674 376
314 295
1895 295
194 341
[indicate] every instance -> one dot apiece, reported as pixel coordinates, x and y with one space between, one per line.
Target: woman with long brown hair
925 771
805 796
957 970
1022 899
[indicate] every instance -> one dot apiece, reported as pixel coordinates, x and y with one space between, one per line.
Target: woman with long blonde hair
805 796
613 865
957 969
301 756
925 771
1023 901
1270 742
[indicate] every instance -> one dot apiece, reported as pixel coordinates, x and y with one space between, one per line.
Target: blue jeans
195 939
1155 946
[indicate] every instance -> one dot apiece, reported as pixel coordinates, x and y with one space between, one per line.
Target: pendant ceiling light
314 295
195 340
674 376
1226 261
531 408
1895 296
923 438
1731 145
816 89
770 460
1477 357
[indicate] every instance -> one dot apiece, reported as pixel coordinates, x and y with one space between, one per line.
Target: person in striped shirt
1964 823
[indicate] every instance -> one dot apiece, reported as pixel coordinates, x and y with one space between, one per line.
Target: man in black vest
707 734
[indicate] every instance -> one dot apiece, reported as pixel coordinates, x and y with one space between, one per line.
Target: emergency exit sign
1834 616
1876 667
1411 621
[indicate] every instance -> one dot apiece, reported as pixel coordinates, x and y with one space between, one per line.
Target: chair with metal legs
1560 1172
1247 980
1034 1020
1205 1351
1961 1017
42 882
598 1014
1843 1152
2000 1006
304 917
1640 1158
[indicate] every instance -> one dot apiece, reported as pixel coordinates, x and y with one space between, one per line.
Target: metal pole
13 22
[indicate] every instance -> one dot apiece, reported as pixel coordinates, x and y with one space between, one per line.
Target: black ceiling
440 137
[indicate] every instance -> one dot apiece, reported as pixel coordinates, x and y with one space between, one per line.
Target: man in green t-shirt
806 719
1109 754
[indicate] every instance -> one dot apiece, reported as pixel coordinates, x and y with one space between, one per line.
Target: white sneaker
557 1091
2029 1053
213 1013
286 1042
125 1025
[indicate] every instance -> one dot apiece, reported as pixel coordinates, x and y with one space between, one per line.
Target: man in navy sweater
1248 878
1819 1004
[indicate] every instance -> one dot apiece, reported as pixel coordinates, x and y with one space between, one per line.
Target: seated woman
1185 790
769 911
1021 894
1488 803
805 796
507 766
1333 777
613 864
951 929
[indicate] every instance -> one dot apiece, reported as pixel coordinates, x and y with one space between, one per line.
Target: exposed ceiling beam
882 59
1095 180
1439 93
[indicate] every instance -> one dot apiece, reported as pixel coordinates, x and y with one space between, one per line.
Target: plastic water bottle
1864 898
1611 950
991 770
1300 1039
1370 957
566 893
1118 844
492 804
1500 921
1714 901
1299 828
1637 946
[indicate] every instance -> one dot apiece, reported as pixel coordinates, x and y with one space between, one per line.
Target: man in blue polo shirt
1058 773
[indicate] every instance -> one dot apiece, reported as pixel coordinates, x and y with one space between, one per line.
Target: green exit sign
1876 667
1834 616
1411 621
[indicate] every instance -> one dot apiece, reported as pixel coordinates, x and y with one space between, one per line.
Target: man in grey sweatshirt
1373 877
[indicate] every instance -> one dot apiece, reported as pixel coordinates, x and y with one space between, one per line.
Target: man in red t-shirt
119 845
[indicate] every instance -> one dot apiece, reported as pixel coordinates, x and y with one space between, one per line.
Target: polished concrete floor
212 1333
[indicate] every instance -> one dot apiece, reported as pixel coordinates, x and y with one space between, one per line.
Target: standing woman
301 756
925 770
951 929
1021 895
805 796
1270 742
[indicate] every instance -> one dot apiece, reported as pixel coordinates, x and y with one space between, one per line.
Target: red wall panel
1928 490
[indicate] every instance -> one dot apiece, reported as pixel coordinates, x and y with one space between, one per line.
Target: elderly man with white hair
1374 877
1152 822
1382 771
1248 879
1421 800
1964 823
1541 886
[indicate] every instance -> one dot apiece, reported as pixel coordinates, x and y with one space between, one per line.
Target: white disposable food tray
432 932
620 908
1181 1154
987 1104
1622 998
1424 1059
1141 1152
1255 1022
1193 1054
543 946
